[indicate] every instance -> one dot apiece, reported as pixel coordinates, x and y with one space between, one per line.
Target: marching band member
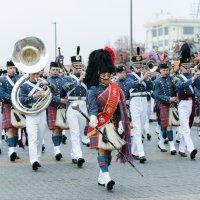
76 92
138 105
30 92
165 95
107 104
60 61
6 86
122 81
186 107
58 101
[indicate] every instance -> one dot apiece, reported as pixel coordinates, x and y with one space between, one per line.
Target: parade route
165 176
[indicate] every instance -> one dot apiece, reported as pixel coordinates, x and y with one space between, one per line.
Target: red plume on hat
111 53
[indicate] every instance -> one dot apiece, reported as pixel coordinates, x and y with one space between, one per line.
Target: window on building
160 43
154 44
188 30
160 31
154 33
166 30
166 42
198 30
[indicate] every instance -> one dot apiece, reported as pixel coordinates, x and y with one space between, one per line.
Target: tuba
30 56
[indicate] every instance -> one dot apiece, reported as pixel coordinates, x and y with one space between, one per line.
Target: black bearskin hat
100 61
137 59
185 53
163 66
54 64
76 59
120 69
10 64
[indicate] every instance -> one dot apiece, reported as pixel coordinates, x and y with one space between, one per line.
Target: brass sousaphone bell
30 56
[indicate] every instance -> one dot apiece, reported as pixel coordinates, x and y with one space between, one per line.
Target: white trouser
77 125
146 125
138 109
35 125
185 109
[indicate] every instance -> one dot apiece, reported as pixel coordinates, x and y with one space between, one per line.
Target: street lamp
131 31
55 38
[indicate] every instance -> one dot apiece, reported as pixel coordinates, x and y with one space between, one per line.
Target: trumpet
151 66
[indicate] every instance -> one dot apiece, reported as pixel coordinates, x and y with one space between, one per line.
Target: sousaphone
30 56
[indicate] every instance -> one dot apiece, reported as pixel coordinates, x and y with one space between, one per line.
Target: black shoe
101 184
58 156
173 152
142 136
136 157
80 162
74 161
3 137
157 133
64 138
142 159
177 141
43 148
166 141
182 154
148 136
13 157
35 166
162 150
110 185
193 154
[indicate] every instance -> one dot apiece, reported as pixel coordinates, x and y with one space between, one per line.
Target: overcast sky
88 23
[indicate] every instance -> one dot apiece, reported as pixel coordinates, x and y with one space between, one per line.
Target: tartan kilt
163 114
6 116
51 117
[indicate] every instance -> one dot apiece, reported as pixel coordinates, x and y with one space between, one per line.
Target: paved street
166 177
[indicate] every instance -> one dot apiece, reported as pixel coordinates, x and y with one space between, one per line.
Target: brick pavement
166 177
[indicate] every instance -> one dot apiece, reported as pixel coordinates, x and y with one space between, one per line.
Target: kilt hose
51 118
94 141
163 114
6 116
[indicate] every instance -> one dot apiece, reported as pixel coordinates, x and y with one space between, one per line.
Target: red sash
110 99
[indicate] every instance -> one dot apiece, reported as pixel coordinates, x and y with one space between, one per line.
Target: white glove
93 121
120 128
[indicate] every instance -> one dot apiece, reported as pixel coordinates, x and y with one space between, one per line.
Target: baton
75 106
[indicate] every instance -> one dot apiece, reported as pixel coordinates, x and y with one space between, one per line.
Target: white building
163 33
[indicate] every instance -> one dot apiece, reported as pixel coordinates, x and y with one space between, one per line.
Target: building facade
162 34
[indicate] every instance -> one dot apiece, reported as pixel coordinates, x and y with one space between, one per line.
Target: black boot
193 154
74 161
43 148
35 166
142 159
182 154
80 162
58 156
148 136
13 157
64 138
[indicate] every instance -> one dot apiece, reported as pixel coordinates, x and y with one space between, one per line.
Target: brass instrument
151 66
30 56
